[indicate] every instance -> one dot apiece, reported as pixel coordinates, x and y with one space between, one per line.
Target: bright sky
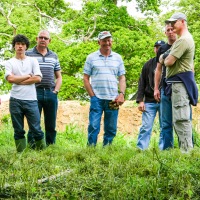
131 6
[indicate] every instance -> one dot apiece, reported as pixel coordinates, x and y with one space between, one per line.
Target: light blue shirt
104 73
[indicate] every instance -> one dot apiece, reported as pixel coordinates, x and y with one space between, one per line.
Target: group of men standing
166 86
174 69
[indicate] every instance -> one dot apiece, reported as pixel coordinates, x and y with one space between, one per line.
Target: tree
132 39
74 36
28 17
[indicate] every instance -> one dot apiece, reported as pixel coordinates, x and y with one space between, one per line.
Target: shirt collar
36 51
111 53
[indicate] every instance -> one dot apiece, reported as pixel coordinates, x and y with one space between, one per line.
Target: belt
43 88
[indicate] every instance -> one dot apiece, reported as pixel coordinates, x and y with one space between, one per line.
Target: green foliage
71 170
75 135
72 88
4 85
6 119
74 35
136 48
149 5
132 39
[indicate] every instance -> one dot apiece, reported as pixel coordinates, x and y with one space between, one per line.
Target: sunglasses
173 23
41 38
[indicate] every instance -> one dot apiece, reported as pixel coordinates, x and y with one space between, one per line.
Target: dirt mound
75 112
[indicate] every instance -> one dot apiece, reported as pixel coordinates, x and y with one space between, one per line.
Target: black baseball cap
159 43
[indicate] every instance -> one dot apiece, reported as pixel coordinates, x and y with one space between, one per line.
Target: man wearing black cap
180 80
145 98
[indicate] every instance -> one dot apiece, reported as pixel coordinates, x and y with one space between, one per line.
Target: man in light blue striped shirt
104 76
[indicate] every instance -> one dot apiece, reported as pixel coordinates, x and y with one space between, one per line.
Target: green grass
119 171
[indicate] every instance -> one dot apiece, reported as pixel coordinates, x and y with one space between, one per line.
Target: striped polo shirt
48 65
104 73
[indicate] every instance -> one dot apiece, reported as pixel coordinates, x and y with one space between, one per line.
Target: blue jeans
29 109
166 134
148 117
48 102
97 107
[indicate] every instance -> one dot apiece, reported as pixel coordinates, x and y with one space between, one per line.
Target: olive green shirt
183 49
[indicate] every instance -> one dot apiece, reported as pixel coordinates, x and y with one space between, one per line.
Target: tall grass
71 170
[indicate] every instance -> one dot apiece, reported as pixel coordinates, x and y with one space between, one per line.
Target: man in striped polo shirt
103 71
47 89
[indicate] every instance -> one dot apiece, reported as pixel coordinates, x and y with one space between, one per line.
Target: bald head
44 32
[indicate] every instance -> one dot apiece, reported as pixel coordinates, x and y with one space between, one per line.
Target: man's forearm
122 84
17 79
170 60
87 85
58 83
89 89
158 74
58 80
31 80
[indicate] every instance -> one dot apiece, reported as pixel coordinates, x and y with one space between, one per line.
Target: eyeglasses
173 23
41 38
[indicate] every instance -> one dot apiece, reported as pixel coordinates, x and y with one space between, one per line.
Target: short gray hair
46 31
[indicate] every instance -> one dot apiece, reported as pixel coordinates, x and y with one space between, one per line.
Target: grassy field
71 170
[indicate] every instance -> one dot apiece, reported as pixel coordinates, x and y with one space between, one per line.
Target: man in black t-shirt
166 134
145 99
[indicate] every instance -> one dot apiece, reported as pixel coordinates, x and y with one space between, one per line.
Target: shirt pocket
182 110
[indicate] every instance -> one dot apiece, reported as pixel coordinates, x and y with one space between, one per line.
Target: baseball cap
159 43
176 16
104 34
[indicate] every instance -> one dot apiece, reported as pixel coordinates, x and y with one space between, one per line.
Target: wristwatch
122 92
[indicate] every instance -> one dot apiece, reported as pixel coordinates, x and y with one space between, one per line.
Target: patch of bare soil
76 113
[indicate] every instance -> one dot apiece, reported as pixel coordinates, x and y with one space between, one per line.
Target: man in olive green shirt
179 63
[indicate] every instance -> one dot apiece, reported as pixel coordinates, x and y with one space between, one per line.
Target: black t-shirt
146 82
161 50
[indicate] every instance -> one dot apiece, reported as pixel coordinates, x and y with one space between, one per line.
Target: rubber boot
20 144
31 144
40 144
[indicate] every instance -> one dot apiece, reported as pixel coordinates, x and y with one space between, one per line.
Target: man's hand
120 99
141 106
157 95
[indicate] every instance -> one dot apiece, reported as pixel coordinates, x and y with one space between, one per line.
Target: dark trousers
48 103
29 109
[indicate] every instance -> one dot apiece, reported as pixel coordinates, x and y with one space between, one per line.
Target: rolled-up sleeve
8 69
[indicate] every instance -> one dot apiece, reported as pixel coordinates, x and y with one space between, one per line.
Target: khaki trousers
181 111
